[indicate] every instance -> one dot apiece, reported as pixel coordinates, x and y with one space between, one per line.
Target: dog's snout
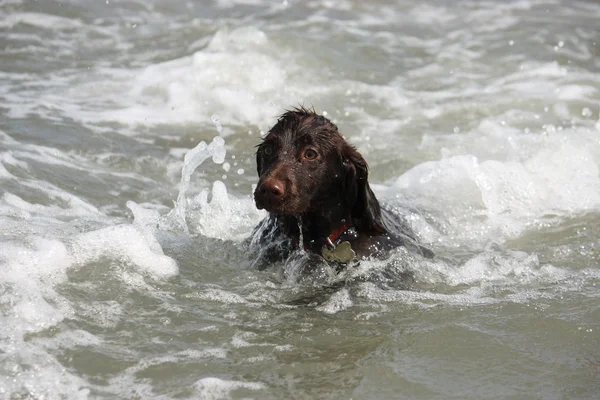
272 187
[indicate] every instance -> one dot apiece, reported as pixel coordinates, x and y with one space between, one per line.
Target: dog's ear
364 207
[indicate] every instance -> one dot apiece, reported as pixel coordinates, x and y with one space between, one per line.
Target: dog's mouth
277 205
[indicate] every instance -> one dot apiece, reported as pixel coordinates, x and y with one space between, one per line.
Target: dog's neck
315 228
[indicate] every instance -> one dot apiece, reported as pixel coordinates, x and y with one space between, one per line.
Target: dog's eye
267 150
310 154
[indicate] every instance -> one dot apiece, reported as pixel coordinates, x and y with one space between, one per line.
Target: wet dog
315 188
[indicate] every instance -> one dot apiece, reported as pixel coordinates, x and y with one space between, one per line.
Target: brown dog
314 186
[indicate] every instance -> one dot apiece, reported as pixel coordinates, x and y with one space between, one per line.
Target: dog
314 186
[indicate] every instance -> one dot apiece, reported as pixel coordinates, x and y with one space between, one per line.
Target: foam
221 296
34 374
28 274
124 242
70 339
499 199
339 301
215 388
6 158
223 216
234 77
45 21
241 76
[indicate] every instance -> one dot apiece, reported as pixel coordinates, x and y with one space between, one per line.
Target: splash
192 160
212 212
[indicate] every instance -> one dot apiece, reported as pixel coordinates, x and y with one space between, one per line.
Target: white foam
214 388
6 158
39 20
69 339
234 77
339 301
242 76
28 274
505 268
498 199
218 295
124 242
223 216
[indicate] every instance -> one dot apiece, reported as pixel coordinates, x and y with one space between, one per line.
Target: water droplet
586 112
511 42
226 166
456 129
561 43
240 171
215 119
324 113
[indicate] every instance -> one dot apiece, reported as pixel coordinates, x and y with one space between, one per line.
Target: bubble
226 166
240 171
586 112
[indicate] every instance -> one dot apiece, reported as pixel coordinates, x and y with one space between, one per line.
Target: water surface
120 279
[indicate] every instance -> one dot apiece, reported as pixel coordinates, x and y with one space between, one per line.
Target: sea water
127 140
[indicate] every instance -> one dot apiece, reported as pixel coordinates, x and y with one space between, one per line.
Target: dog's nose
272 187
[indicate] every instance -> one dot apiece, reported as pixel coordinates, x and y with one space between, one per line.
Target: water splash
217 121
192 160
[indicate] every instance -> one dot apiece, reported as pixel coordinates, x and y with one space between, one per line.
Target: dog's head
305 166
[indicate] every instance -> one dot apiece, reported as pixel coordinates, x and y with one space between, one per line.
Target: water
122 278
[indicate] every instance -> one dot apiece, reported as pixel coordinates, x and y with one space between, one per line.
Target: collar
335 235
